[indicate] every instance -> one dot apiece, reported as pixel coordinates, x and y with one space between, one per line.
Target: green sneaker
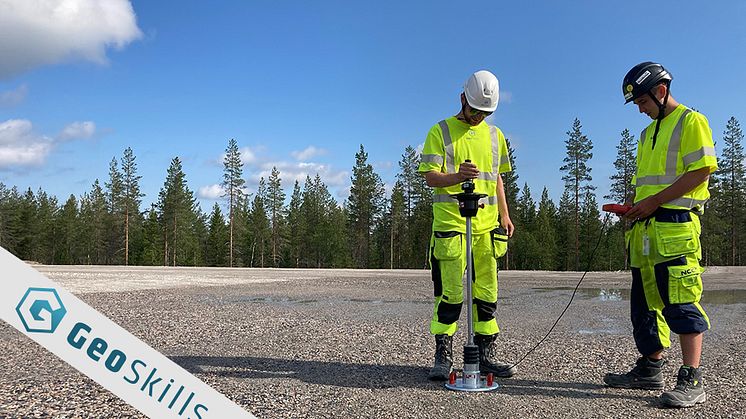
646 375
689 390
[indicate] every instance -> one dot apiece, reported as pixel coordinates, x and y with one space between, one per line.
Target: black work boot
443 358
689 390
487 362
646 375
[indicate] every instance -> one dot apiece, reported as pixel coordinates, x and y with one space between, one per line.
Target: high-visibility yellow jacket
684 144
450 143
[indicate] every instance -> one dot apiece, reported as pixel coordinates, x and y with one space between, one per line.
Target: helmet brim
481 108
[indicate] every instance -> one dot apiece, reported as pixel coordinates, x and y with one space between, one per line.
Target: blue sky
300 85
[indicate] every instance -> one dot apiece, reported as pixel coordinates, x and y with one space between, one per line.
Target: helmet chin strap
661 111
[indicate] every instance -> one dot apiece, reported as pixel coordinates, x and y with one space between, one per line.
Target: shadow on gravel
371 376
570 390
313 372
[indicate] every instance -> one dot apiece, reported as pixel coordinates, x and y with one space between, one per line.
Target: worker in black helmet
675 157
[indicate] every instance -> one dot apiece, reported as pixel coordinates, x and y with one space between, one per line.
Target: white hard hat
482 91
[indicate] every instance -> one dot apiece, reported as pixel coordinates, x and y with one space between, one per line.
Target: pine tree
398 231
176 215
418 198
380 250
274 202
331 236
94 215
293 237
243 234
732 179
339 249
567 253
323 227
45 234
590 230
260 228
67 222
546 218
216 238
526 208
3 215
152 239
511 188
115 215
9 218
364 205
578 175
621 190
25 232
524 244
233 184
131 201
196 246
407 178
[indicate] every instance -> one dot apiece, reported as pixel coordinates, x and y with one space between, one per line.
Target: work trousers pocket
499 242
676 239
685 283
447 245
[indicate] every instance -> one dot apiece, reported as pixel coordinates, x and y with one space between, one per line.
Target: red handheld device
616 208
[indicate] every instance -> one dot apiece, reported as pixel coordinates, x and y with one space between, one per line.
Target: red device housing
616 208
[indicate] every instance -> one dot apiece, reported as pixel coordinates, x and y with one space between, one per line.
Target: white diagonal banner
99 348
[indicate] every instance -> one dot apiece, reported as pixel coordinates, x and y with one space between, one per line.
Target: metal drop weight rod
471 379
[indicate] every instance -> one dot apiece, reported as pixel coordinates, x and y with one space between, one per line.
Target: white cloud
21 146
78 131
13 97
248 156
214 191
308 153
292 171
506 97
40 32
257 166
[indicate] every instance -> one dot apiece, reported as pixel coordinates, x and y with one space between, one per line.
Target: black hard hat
643 77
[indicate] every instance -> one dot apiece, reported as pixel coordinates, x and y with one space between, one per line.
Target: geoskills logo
41 311
90 342
36 301
97 349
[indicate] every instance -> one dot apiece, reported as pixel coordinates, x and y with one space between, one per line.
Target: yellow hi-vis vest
448 144
684 144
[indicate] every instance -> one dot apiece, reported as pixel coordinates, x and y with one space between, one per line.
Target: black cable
588 268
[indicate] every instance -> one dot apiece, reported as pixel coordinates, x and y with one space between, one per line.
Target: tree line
370 229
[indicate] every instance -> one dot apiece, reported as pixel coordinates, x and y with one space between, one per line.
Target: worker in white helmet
464 147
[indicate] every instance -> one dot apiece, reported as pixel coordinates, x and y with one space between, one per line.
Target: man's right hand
467 171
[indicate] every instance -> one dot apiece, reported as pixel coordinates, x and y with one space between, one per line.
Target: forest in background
370 229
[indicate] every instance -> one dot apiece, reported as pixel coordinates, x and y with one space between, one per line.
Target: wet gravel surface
350 343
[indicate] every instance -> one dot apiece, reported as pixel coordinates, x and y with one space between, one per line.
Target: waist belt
669 215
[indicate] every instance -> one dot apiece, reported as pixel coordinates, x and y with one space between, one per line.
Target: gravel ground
355 343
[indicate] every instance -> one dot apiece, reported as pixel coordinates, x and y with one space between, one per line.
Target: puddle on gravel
720 297
270 300
293 301
600 331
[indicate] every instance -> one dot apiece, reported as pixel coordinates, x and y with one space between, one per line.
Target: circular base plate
459 386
